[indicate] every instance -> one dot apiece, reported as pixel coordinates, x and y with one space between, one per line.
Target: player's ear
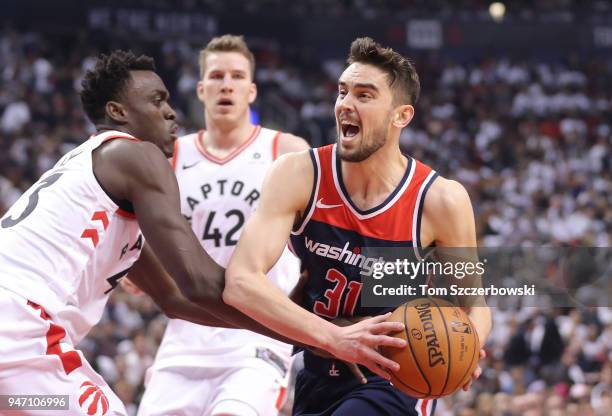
116 112
403 115
200 91
252 93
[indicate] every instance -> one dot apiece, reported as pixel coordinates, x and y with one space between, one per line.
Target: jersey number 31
333 297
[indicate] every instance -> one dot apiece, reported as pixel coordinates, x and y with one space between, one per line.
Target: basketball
442 351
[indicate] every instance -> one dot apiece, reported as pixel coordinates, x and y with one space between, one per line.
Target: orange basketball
442 351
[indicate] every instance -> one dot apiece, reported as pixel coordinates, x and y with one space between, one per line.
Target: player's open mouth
349 130
225 103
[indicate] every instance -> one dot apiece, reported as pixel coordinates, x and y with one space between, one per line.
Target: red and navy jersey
333 232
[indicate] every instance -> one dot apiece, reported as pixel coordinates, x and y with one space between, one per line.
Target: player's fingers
372 355
386 327
376 370
385 340
357 372
475 376
476 373
376 319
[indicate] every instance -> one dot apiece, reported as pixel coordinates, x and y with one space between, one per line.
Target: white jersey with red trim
65 244
217 197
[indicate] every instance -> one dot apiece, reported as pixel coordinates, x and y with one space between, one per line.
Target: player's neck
223 138
370 182
104 127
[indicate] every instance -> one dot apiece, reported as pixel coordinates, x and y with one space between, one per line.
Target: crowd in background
530 140
538 10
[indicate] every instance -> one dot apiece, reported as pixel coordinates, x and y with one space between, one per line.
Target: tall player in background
201 370
70 238
360 192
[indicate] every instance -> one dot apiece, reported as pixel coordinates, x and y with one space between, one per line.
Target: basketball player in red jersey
66 243
334 200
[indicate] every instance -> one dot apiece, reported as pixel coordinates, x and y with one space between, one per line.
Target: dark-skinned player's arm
285 194
149 275
140 173
448 219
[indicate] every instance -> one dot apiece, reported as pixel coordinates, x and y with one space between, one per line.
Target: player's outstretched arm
149 275
138 172
285 194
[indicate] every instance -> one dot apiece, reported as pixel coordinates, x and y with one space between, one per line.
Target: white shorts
36 358
255 389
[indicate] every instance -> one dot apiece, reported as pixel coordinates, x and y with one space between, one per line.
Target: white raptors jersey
65 244
217 197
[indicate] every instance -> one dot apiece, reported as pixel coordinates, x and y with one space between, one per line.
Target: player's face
227 88
149 115
363 111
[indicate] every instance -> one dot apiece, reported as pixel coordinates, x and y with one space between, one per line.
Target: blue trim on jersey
346 195
420 212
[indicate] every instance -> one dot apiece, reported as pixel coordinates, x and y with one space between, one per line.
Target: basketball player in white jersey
66 243
201 370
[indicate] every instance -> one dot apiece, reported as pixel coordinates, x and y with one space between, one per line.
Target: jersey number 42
213 233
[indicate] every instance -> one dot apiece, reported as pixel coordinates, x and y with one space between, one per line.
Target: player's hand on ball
477 372
351 366
354 368
358 343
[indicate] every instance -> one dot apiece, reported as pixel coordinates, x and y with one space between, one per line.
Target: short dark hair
108 79
226 43
400 71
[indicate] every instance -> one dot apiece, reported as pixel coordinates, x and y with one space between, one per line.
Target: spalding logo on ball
416 334
442 351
